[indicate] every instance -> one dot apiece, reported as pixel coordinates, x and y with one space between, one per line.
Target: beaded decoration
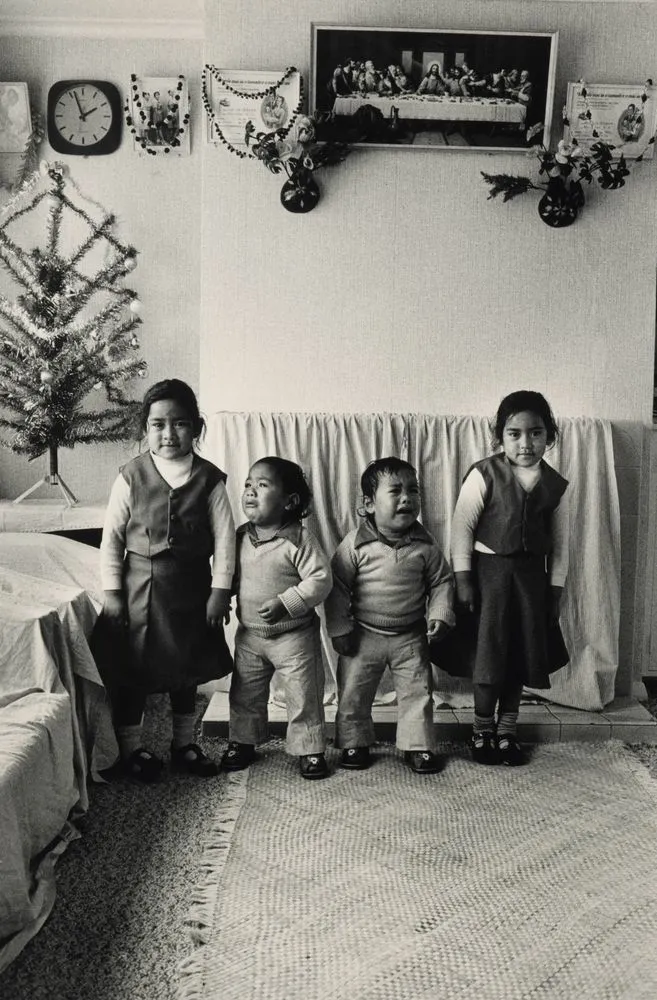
249 94
168 121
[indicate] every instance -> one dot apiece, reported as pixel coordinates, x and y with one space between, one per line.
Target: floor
624 719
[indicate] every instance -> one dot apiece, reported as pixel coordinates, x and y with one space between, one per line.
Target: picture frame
15 117
159 110
232 97
615 113
380 86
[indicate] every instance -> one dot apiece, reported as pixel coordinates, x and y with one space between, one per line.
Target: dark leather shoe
423 761
484 748
356 758
510 752
313 765
238 756
143 765
191 758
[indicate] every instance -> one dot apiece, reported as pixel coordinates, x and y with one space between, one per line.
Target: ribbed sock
483 724
129 739
507 724
183 728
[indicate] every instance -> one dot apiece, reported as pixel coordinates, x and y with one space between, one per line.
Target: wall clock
84 117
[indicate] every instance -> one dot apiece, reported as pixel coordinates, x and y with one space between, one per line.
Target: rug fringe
198 922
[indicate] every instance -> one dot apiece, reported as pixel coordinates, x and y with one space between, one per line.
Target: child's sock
483 724
507 724
129 739
183 728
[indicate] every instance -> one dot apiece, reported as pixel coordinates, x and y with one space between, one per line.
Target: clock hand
85 114
77 101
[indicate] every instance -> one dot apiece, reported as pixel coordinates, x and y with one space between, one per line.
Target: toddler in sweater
282 575
390 577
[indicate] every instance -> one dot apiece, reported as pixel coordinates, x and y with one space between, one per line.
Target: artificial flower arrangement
565 172
297 153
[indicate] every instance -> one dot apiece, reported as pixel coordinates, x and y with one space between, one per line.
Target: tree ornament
66 333
135 306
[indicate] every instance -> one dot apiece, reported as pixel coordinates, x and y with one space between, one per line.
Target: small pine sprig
508 185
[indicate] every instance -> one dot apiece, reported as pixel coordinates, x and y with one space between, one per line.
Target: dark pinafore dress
167 580
510 637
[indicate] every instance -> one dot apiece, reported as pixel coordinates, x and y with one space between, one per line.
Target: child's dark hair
519 402
390 466
181 393
292 478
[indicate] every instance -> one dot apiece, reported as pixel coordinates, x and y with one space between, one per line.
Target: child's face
524 439
170 429
396 503
264 501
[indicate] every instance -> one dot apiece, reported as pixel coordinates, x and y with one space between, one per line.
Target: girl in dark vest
167 515
510 559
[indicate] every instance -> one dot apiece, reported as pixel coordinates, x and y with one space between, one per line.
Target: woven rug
479 883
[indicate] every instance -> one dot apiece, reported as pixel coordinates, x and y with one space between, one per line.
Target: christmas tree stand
52 479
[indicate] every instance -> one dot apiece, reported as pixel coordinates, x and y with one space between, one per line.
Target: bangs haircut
525 400
179 392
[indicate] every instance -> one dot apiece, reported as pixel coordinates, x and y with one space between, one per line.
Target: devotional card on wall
271 100
618 114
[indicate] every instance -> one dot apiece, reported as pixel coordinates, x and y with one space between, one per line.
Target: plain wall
407 288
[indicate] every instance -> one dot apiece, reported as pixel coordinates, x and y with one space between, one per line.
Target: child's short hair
519 402
181 393
380 467
293 480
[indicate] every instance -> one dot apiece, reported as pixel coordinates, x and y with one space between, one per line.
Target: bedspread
55 723
37 791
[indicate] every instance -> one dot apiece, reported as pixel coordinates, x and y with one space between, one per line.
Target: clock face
84 117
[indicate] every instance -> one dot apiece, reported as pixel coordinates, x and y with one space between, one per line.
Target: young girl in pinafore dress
510 559
167 515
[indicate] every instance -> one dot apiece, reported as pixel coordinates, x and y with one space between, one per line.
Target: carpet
478 883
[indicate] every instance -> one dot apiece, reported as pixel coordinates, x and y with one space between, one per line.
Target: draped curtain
333 450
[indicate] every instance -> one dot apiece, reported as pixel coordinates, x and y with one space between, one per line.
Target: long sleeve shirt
388 586
291 566
175 473
469 508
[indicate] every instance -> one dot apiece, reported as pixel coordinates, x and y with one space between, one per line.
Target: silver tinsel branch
72 329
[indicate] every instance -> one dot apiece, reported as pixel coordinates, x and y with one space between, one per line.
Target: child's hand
114 609
217 609
465 591
437 629
273 611
345 645
554 603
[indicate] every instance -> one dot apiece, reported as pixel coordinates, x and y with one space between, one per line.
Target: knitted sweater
290 566
388 586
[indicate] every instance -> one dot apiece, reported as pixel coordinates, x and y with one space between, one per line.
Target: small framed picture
15 118
271 100
160 113
622 115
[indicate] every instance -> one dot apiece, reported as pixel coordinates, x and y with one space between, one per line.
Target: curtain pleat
334 449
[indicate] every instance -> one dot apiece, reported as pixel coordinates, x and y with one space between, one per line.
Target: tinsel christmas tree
73 330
